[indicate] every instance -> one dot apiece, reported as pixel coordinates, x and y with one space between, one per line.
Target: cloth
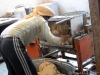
40 10
16 58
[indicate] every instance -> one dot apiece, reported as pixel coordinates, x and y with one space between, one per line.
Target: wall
64 5
71 5
6 5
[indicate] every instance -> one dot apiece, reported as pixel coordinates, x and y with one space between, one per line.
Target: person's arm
52 39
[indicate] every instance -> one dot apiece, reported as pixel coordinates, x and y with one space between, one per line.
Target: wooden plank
95 19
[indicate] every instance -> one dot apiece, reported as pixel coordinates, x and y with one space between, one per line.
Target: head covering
41 10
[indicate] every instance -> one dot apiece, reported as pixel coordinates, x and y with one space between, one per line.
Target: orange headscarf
40 10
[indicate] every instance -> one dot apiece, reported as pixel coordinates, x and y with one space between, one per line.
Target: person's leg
21 50
1 58
16 53
8 65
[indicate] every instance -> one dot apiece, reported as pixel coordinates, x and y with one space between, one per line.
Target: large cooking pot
64 67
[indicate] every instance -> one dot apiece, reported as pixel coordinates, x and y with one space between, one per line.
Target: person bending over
18 35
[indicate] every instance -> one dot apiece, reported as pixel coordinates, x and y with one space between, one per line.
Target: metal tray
63 67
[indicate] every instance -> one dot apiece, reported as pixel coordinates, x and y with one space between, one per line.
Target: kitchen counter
6 21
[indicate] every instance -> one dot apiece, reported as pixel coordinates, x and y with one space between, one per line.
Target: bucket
63 67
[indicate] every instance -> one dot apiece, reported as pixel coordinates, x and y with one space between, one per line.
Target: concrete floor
3 70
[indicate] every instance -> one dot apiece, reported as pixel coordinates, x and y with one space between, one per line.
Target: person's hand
56 33
64 37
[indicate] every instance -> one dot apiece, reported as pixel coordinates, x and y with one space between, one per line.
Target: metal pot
63 67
